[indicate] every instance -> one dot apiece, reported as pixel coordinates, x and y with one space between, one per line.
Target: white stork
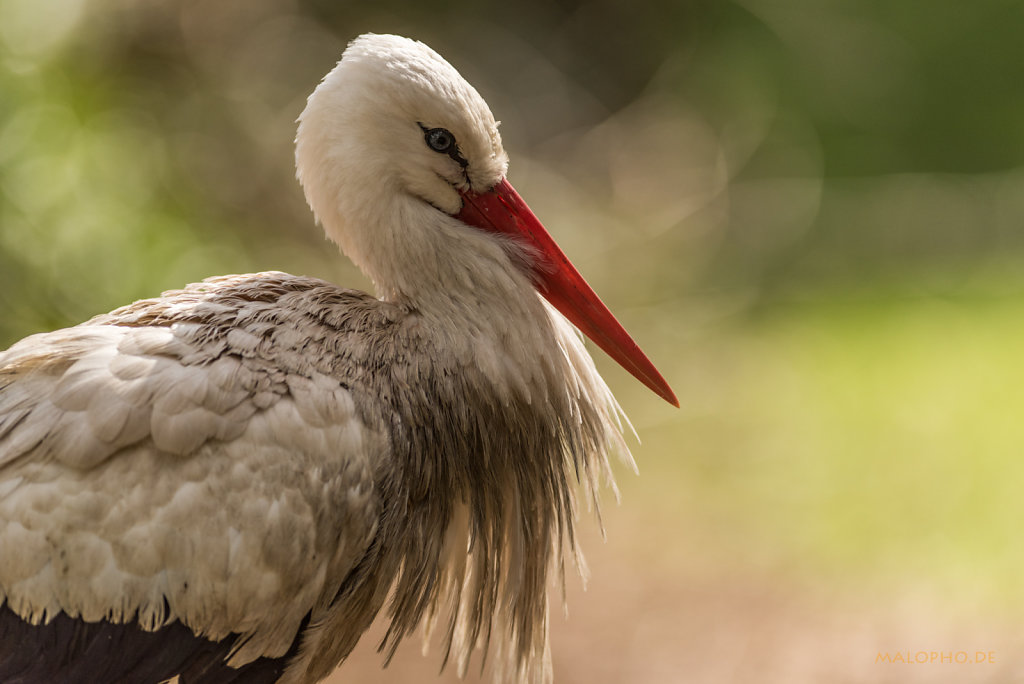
227 483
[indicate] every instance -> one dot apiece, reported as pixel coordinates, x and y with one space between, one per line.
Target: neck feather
523 423
507 419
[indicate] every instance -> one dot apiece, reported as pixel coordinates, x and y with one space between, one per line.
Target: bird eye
440 139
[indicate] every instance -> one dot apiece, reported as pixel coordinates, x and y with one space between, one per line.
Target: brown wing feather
194 460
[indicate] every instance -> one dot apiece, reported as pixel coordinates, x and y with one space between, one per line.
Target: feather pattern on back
294 448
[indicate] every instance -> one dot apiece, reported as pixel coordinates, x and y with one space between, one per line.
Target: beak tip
661 388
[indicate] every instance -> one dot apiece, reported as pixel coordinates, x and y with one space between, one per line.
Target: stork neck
449 271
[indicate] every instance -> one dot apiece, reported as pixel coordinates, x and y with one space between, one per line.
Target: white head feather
367 171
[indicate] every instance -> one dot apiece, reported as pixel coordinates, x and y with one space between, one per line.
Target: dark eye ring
440 140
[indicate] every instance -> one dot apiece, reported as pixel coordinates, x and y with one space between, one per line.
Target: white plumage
230 480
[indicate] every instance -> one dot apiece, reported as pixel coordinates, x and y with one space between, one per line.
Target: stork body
229 482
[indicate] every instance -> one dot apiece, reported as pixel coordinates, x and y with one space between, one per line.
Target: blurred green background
810 213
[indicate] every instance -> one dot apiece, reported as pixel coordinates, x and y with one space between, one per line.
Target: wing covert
186 459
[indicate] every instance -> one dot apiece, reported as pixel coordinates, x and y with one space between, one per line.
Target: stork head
393 122
401 161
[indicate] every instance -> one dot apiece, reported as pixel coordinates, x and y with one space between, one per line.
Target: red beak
502 210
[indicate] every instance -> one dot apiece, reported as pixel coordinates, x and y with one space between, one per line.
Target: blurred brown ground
647 619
